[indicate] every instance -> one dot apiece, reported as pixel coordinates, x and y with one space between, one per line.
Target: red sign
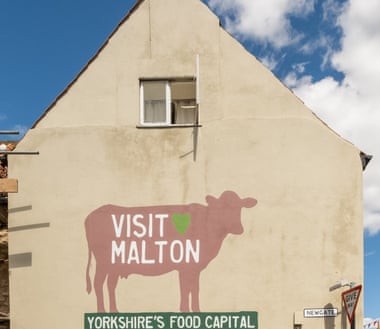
350 300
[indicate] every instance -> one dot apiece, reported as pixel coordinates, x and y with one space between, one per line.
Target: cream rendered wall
256 139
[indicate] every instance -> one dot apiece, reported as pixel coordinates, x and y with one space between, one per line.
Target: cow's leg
111 283
184 292
100 276
189 285
195 292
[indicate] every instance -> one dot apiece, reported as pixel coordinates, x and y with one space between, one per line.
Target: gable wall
256 139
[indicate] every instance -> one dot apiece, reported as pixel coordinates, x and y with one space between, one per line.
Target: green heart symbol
181 222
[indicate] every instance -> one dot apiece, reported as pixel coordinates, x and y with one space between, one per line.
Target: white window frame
168 99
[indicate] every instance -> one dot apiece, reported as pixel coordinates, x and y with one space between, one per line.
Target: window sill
191 125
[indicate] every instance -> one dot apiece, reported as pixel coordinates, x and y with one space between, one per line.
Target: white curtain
154 111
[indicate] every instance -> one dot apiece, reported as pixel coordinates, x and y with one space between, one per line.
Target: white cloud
331 10
266 21
269 61
361 46
352 108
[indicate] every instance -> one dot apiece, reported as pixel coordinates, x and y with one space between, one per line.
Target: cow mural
154 240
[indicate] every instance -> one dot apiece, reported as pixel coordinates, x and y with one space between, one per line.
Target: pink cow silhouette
154 240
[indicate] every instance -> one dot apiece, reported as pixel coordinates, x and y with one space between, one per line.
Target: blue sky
325 51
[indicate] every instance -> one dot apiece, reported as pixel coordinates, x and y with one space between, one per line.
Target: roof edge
365 158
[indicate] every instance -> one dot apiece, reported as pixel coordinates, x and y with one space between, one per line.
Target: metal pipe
9 132
20 152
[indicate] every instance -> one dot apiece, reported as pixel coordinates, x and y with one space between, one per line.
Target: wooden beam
8 185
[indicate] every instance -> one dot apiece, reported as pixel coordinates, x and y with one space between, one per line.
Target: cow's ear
210 199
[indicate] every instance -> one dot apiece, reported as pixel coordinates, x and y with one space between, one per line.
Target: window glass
183 102
169 102
155 101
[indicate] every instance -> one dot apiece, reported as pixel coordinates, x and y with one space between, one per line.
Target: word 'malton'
149 240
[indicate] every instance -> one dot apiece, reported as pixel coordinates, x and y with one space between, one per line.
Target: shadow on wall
195 145
20 260
23 259
345 323
329 321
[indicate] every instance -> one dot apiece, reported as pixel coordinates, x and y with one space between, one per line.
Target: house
6 186
176 173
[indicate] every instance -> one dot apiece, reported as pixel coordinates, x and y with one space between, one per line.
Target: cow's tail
88 279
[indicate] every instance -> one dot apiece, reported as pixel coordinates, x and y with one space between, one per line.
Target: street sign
350 300
320 312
